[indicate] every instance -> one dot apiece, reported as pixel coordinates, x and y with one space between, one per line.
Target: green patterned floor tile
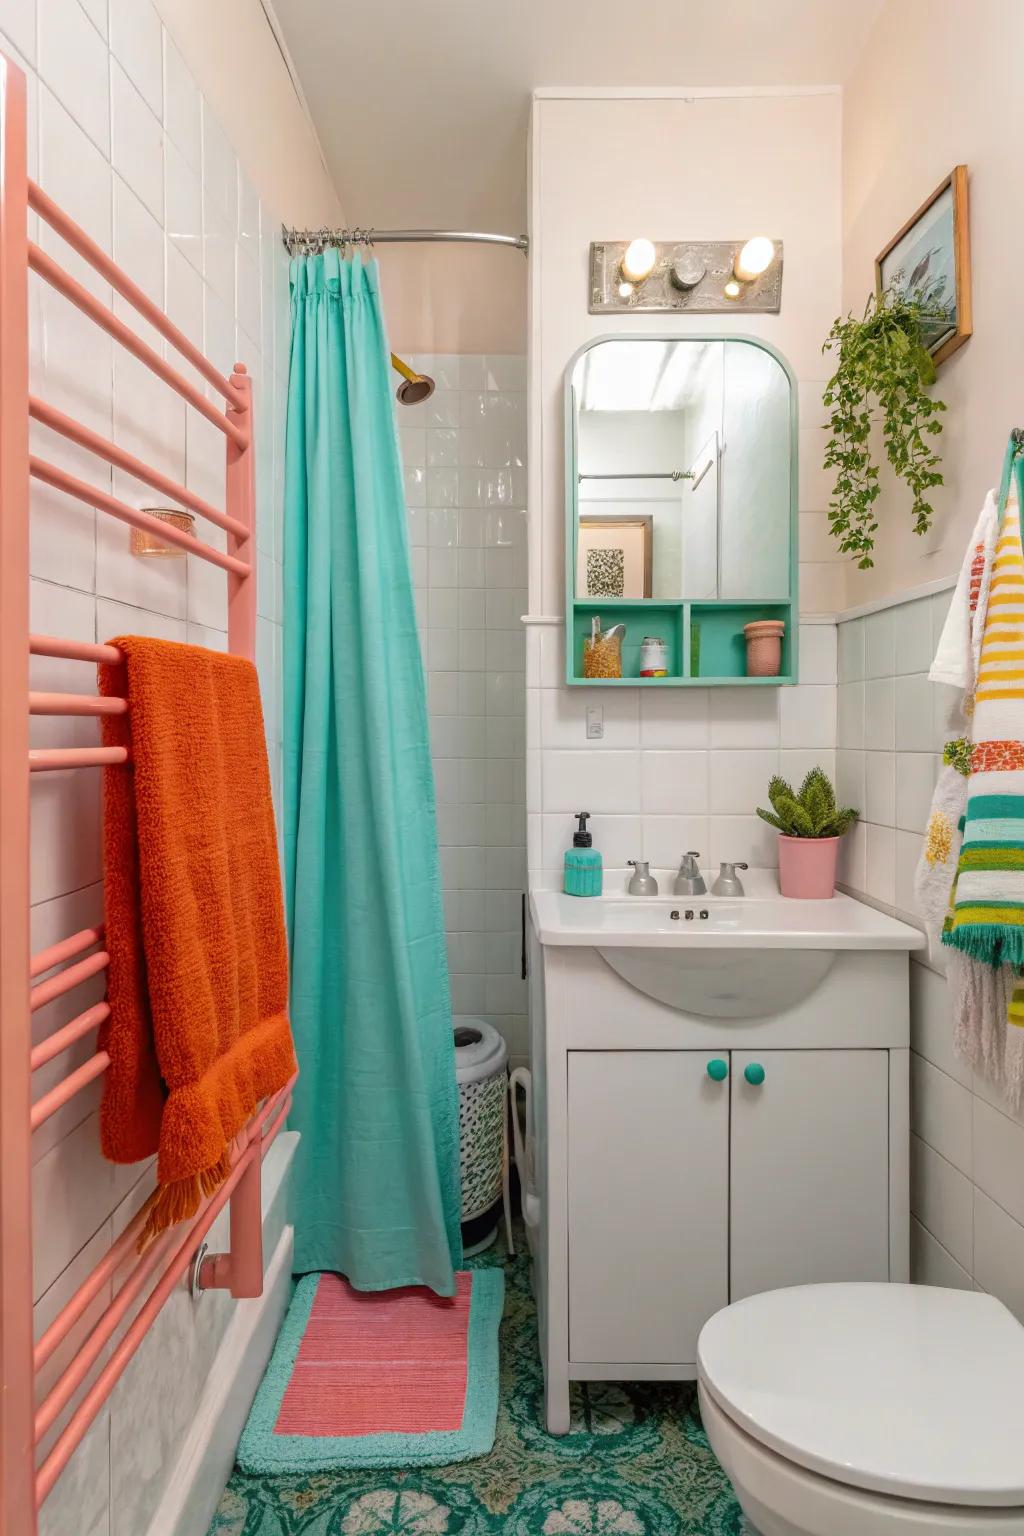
636 1462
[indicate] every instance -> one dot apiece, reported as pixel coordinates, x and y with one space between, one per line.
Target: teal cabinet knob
718 1070
754 1074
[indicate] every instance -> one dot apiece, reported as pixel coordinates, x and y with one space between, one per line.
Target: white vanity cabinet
691 1150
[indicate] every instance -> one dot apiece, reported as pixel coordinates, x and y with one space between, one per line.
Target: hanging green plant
883 376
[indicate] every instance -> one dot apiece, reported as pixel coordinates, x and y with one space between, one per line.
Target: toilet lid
907 1390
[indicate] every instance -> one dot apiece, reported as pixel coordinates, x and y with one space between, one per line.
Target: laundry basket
481 1070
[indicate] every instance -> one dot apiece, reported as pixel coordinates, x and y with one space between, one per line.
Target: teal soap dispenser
584 873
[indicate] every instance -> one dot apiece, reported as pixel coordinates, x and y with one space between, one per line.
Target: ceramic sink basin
749 922
719 957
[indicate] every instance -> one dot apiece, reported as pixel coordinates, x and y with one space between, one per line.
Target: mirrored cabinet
681 513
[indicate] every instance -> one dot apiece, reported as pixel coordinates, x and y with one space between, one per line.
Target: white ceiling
422 105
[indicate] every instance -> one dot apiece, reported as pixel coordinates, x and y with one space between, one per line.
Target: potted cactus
810 826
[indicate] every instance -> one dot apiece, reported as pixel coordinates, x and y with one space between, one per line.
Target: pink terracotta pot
807 866
764 647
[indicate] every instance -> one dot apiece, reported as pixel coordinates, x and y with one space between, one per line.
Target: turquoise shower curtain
377 1181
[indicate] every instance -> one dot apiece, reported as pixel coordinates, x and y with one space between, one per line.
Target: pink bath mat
379 1378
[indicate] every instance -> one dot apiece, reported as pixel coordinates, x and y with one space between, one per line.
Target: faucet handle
732 864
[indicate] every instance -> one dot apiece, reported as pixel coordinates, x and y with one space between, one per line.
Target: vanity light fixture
755 257
638 260
691 276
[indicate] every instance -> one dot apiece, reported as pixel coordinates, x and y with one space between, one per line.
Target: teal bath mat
379 1378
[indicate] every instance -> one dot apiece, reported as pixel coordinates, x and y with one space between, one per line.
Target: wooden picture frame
635 536
940 228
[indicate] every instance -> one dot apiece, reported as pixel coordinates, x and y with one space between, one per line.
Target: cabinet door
648 1204
810 1168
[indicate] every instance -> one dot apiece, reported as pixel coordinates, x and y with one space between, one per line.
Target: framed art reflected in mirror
614 556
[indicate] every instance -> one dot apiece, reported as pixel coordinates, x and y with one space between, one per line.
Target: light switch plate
595 723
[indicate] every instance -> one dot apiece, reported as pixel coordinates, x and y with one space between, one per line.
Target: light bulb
639 260
625 289
755 257
732 289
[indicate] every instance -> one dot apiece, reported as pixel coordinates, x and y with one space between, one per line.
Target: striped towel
988 911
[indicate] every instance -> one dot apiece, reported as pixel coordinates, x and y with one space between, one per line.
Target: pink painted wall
937 85
454 298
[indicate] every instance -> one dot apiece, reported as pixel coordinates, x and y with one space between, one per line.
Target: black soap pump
584 872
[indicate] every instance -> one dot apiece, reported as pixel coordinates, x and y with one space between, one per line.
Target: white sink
718 956
747 922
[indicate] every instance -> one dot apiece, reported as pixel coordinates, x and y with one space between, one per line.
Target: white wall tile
914 722
931 1023
879 716
850 778
880 862
182 113
807 716
999 1254
675 783
183 195
998 1151
914 644
878 644
879 788
818 653
135 41
18 23
667 838
743 837
73 64
738 781
137 142
850 716
930 1264
678 718
851 651
942 1199
940 1112
564 715
916 773
600 781
744 717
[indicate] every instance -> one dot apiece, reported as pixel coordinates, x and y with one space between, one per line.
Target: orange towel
198 1032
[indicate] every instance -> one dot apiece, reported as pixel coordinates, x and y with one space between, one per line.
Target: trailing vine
883 377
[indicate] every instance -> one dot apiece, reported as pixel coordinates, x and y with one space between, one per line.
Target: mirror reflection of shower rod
309 242
652 474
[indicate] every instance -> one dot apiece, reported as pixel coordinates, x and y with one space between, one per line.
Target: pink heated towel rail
28 982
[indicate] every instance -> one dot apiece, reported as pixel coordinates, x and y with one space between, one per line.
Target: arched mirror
681 470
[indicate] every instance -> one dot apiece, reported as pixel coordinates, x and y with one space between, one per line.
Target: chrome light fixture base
689 276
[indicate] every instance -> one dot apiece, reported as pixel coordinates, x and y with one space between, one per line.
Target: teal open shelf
719 659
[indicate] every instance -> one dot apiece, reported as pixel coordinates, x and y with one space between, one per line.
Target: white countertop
761 920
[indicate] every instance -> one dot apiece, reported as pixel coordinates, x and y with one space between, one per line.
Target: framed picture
930 257
613 556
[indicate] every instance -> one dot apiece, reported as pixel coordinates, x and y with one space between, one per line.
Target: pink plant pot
764 647
807 866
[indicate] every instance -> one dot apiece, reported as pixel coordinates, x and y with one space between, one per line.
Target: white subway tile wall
967 1146
464 453
120 136
674 769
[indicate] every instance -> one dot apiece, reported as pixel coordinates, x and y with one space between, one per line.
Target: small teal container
584 869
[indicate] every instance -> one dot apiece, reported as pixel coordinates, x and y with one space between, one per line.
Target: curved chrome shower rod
308 241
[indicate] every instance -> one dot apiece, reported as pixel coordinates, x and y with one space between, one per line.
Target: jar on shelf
602 650
653 657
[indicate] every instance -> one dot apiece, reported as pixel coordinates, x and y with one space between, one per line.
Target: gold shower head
414 386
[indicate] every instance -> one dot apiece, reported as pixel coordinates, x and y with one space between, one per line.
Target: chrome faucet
642 882
728 882
689 880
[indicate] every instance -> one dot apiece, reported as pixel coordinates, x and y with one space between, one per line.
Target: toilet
868 1410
